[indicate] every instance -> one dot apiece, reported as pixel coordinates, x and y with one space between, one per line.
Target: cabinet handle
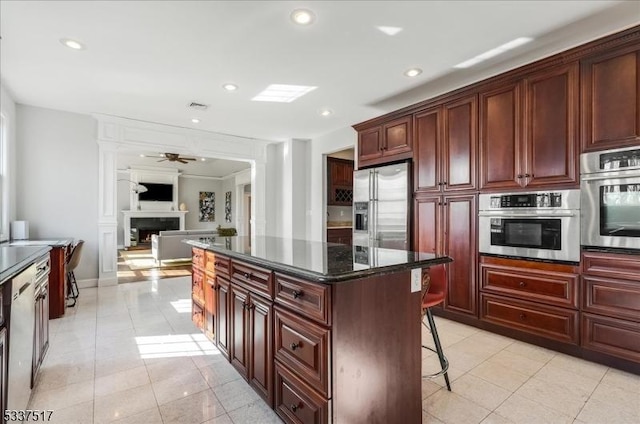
523 317
522 284
294 346
297 294
444 183
216 263
251 306
439 203
294 407
520 176
246 274
527 175
440 183
445 203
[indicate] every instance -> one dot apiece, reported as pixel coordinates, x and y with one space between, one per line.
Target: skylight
282 93
494 52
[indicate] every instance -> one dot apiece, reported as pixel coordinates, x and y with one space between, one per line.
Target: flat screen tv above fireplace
157 192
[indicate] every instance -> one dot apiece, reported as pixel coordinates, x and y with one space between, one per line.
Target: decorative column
107 215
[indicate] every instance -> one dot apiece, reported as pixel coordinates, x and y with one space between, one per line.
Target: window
4 180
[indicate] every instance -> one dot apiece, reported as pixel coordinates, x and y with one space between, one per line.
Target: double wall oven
610 184
538 225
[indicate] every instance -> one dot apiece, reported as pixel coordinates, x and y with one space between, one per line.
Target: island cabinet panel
551 128
296 402
447 225
209 306
611 304
500 137
239 329
610 88
387 142
260 346
253 278
312 300
223 318
198 258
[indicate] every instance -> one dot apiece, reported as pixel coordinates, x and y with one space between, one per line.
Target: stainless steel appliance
542 224
381 207
41 314
21 327
610 185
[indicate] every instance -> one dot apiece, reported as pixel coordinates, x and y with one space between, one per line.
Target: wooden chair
434 289
72 264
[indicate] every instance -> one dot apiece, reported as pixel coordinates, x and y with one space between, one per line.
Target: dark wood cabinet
340 235
387 142
339 182
610 89
611 304
223 317
296 402
209 306
41 331
260 344
59 255
4 357
427 150
239 329
447 225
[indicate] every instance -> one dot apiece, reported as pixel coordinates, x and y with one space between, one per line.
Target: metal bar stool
72 285
434 289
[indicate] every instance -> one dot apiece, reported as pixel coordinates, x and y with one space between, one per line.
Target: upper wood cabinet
610 84
387 142
339 182
446 147
528 131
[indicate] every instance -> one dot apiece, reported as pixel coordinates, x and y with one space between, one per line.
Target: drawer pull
216 263
246 274
294 407
523 284
295 346
297 294
523 317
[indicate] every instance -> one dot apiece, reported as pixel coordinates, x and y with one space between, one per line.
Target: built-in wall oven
610 185
539 225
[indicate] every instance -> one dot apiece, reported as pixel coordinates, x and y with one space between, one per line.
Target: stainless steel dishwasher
21 327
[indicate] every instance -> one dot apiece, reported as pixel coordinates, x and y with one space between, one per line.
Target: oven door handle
526 215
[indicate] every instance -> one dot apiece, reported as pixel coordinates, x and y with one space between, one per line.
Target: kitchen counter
14 259
317 261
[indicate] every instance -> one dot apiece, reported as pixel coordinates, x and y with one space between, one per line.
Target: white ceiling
148 59
210 167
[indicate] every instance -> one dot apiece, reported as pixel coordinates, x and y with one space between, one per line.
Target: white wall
189 193
274 190
317 186
8 109
124 188
56 180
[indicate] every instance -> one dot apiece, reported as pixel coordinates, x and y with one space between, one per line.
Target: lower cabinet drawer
542 320
612 336
197 257
614 298
197 316
197 286
296 402
304 347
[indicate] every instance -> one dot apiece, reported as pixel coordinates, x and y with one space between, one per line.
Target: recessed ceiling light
413 72
72 44
195 120
142 155
230 87
202 159
162 155
326 112
389 30
494 52
303 16
282 93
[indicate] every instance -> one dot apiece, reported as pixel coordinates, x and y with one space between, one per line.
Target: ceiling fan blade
188 158
182 160
162 160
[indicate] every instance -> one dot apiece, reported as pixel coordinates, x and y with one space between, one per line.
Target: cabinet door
369 144
239 352
209 306
551 121
3 371
460 214
460 141
500 149
44 322
610 97
340 171
397 137
37 341
427 224
261 352
427 152
222 319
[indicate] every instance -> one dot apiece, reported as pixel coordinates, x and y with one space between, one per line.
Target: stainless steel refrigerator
381 207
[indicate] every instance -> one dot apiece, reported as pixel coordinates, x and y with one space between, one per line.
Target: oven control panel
533 200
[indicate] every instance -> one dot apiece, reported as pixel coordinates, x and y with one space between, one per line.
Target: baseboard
87 283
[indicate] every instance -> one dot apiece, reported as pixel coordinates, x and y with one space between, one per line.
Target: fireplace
139 226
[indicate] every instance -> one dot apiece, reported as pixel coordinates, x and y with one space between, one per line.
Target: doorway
246 209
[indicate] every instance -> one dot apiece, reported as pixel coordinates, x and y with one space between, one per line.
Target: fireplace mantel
148 214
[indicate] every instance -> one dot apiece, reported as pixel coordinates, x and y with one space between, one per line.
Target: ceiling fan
174 157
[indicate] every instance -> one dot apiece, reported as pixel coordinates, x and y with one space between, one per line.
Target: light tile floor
130 354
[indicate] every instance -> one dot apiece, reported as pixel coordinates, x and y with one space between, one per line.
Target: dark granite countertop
318 261
14 259
54 242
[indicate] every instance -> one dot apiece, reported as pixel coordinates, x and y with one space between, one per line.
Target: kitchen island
323 332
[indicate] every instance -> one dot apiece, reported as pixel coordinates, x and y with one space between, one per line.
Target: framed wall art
207 206
227 206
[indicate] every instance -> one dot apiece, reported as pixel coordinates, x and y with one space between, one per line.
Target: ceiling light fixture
230 87
202 159
389 30
195 120
283 93
303 17
413 72
142 155
494 52
326 112
72 44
